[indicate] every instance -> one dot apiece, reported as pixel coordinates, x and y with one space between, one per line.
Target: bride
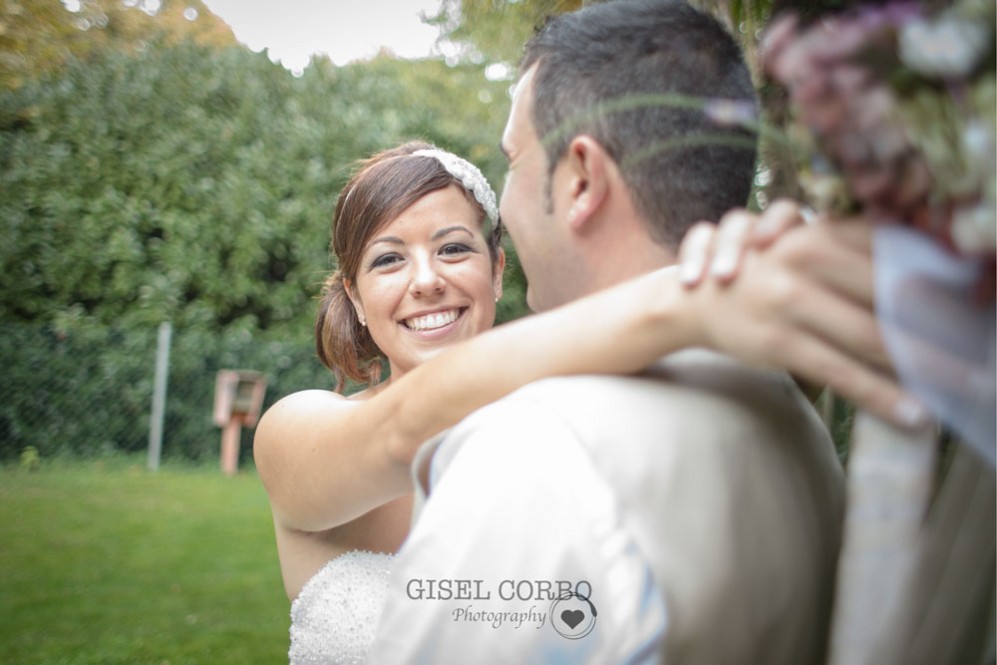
417 235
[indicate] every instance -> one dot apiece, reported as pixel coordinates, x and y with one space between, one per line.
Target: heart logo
572 617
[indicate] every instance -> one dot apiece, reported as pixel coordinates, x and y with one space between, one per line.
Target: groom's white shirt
688 515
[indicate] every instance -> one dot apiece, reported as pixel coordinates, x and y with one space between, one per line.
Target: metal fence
89 391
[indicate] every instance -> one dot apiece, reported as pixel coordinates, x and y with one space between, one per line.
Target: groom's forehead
519 121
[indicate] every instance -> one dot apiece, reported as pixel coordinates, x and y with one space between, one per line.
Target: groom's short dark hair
679 164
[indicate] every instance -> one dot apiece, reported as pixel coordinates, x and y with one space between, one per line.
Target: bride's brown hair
380 189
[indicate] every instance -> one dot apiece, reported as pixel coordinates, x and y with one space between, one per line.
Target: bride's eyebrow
391 240
395 240
451 229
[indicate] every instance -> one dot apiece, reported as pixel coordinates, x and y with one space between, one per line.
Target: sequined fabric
334 618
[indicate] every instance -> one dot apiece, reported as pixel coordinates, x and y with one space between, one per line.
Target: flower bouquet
891 116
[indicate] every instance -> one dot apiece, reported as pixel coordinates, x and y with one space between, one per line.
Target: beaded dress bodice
334 618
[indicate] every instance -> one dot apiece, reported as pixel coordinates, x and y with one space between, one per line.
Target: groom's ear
588 168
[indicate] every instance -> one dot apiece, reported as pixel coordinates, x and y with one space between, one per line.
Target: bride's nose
426 279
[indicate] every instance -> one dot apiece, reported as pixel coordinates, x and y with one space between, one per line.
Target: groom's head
614 143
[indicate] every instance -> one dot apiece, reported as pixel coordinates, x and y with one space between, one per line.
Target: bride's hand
776 292
718 248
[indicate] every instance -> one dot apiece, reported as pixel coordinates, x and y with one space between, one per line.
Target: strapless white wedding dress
334 618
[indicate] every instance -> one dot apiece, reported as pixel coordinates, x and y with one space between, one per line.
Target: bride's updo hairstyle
380 189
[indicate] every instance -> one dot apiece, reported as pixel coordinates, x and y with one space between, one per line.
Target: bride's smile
426 280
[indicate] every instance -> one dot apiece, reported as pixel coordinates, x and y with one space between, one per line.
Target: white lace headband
469 175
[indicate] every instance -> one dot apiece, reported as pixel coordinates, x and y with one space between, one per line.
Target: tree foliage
196 185
494 31
38 36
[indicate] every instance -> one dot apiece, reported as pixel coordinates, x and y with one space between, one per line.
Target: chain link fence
88 391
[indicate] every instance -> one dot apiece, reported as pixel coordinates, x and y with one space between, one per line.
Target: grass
105 562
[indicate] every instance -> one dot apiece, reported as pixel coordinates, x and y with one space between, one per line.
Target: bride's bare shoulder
304 403
311 396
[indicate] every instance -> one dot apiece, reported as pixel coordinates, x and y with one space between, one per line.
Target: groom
690 514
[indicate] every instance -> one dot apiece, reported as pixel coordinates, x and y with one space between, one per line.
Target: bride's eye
385 260
454 249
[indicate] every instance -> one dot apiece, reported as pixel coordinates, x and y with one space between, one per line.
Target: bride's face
426 280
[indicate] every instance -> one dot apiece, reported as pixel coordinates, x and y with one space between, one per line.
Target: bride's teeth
432 321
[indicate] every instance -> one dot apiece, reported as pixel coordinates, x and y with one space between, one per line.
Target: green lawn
108 563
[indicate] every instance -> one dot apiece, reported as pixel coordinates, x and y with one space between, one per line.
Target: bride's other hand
798 297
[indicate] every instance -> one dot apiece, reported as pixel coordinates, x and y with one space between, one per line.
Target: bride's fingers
855 330
695 251
778 218
856 232
818 252
793 303
731 243
812 359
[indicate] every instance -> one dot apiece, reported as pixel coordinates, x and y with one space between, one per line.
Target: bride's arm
325 460
804 305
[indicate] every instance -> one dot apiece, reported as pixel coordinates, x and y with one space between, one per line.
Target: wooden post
231 436
238 401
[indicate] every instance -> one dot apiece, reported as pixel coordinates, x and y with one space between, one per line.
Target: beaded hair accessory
469 175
